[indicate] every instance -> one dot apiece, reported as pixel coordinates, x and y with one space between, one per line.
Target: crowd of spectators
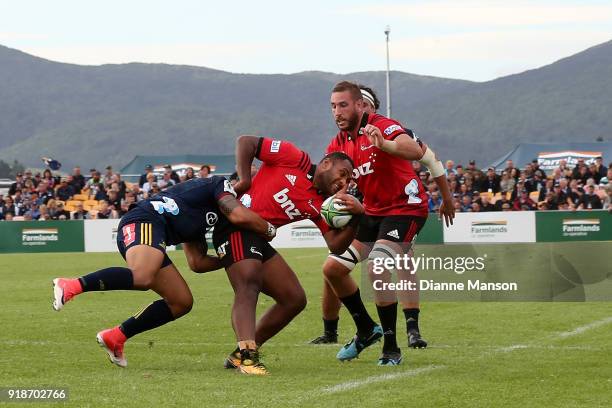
76 197
581 187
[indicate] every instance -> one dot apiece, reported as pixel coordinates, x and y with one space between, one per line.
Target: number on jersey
412 191
169 205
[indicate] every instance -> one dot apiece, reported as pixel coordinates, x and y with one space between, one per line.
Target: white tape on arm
432 163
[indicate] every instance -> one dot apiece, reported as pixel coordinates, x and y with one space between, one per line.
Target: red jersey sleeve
279 153
389 128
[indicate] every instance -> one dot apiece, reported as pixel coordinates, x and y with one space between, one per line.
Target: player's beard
352 123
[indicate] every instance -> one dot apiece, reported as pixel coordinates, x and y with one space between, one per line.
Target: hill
96 115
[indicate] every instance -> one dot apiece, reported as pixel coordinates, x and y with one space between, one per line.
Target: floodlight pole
387 31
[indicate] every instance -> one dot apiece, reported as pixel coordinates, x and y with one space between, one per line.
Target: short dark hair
335 156
371 92
205 166
352 87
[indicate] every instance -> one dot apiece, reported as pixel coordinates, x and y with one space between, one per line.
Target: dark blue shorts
138 227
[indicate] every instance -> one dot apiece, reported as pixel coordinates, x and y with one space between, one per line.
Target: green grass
180 364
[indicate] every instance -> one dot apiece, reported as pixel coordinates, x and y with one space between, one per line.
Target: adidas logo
291 178
393 234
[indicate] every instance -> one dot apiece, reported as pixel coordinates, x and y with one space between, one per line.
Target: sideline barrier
41 236
485 228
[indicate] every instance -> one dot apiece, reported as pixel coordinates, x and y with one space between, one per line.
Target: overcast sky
472 39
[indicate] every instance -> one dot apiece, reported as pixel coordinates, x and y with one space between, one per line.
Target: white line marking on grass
586 327
349 385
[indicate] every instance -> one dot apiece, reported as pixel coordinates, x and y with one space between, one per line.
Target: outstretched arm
402 146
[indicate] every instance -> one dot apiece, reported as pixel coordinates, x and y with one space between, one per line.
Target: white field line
558 336
586 327
349 385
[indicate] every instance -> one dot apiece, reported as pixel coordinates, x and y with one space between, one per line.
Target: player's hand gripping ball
334 213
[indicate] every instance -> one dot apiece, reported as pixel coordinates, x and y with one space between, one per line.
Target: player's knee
334 270
181 305
298 301
143 277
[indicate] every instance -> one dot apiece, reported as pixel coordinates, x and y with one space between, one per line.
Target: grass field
480 354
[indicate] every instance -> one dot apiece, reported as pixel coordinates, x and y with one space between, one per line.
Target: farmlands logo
39 236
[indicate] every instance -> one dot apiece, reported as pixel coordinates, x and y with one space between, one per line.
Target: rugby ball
334 213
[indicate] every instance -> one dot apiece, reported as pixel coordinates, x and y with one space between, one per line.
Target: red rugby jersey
389 184
282 191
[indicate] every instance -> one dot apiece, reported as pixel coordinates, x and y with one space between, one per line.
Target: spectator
607 204
106 212
18 184
127 203
34 211
37 179
108 176
148 185
8 206
65 190
144 177
189 173
603 170
78 181
506 183
60 213
466 203
485 204
173 174
594 173
575 194
434 202
460 174
205 171
8 217
548 188
166 182
450 167
44 213
80 213
606 180
457 205
509 166
45 193
491 182
113 201
523 202
137 192
590 200
116 179
514 173
472 169
19 203
154 190
95 179
48 178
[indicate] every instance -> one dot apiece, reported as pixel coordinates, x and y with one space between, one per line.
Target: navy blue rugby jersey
188 209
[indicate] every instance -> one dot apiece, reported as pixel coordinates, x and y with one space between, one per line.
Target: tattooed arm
242 217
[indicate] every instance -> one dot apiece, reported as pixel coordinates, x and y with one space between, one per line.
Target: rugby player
396 209
330 304
288 187
181 214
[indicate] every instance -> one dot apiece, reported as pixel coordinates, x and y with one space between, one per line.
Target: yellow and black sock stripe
146 233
